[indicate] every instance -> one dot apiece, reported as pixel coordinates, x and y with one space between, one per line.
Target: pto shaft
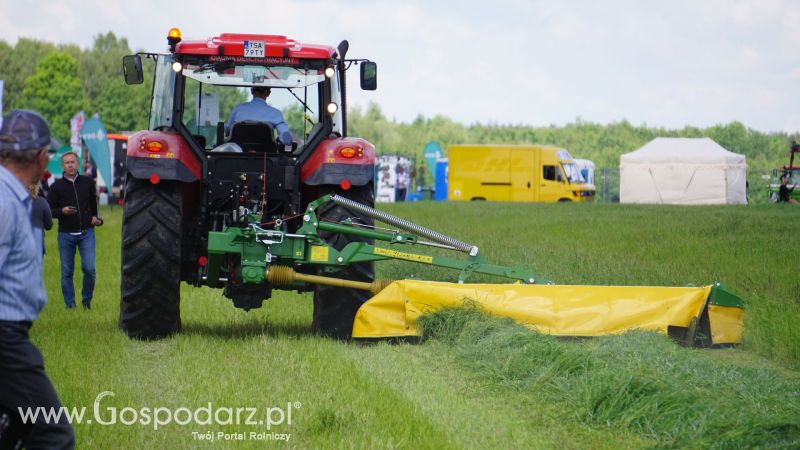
286 275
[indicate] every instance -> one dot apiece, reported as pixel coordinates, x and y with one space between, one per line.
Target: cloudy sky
661 63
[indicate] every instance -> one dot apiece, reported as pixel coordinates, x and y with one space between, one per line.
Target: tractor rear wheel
151 259
335 308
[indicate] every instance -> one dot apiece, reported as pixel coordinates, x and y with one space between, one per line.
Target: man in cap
24 141
257 109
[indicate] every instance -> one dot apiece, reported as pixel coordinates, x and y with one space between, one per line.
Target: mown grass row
640 381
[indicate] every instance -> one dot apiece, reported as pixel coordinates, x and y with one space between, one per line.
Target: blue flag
93 134
432 153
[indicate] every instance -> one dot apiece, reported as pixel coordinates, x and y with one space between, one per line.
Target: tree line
603 144
59 80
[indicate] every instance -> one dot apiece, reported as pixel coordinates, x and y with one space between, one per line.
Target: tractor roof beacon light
173 37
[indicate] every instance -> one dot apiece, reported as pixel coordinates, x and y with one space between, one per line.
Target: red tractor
187 177
789 171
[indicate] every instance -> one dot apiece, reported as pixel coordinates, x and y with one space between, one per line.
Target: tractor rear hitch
261 249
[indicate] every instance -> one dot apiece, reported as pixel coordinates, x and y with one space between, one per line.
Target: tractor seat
254 136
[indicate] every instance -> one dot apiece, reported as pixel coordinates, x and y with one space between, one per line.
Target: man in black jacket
785 192
73 201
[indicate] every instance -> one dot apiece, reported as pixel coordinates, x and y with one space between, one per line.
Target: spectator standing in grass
73 201
24 140
401 186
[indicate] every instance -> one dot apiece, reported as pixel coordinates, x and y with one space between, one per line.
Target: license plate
254 49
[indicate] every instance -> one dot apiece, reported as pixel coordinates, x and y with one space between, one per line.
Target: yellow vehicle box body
515 173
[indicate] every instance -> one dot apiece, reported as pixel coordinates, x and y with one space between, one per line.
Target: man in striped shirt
24 141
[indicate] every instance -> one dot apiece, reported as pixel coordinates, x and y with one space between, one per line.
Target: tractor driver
257 109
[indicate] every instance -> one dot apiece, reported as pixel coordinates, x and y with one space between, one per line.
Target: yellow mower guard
559 310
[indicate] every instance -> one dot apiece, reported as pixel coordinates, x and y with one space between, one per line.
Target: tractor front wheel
151 259
335 308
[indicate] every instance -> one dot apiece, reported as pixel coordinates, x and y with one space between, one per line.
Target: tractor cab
198 84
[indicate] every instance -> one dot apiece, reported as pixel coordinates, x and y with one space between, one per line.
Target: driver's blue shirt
257 109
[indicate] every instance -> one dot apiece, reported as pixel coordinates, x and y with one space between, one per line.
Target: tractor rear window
206 104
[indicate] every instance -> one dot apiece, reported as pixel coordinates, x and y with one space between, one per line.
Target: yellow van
515 173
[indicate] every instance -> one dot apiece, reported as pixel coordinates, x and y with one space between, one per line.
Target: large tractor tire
151 259
335 308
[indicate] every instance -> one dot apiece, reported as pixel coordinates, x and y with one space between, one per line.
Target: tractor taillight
203 260
347 152
154 146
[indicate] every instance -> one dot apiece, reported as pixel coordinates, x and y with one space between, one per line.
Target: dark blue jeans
25 384
66 248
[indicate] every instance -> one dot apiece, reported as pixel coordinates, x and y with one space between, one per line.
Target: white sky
665 63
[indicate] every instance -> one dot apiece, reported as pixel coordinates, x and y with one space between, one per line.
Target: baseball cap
24 130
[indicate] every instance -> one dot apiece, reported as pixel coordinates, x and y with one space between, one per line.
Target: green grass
462 390
640 382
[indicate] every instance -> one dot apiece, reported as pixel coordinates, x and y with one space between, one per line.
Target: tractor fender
330 164
162 154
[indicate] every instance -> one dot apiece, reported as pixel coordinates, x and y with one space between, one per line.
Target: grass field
474 382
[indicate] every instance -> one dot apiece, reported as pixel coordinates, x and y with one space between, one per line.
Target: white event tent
683 171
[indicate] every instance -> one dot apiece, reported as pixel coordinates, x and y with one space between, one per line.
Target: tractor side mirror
369 76
132 68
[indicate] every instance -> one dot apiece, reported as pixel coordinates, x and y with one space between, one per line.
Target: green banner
93 134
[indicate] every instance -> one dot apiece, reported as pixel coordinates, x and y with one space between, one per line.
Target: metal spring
405 225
